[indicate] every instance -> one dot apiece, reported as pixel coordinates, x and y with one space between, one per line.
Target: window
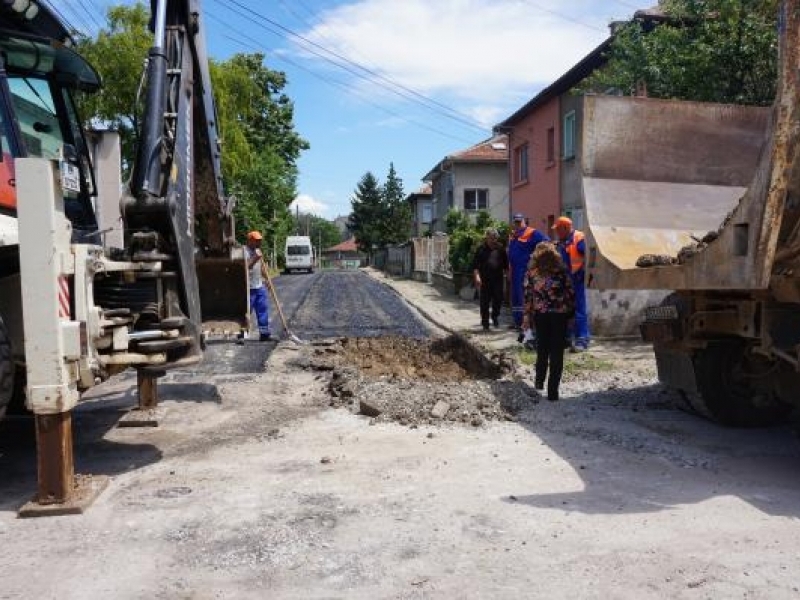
476 199
569 135
551 145
521 163
426 213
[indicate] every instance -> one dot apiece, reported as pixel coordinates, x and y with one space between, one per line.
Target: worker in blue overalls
572 245
521 243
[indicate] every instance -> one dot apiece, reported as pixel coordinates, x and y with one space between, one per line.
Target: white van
299 254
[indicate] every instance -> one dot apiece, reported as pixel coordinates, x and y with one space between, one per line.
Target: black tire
735 387
7 369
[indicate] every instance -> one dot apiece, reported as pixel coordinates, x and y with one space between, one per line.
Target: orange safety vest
525 235
575 257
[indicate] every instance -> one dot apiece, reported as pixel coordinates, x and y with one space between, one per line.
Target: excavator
98 275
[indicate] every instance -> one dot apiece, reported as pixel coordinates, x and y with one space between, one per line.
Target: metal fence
431 255
399 261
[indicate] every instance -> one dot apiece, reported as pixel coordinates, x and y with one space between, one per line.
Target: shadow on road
93 453
100 411
635 452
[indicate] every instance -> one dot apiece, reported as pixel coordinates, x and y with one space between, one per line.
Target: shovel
274 295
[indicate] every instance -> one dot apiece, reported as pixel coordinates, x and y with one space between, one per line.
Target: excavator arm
176 211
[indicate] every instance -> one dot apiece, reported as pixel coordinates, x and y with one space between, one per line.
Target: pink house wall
539 196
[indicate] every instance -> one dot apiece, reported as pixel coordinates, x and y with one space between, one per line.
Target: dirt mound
412 382
448 359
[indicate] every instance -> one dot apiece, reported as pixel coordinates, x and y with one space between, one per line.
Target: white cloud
479 51
308 204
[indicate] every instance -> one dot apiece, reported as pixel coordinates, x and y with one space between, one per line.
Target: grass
573 363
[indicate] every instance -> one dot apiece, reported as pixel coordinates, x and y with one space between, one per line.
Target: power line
70 26
85 26
253 44
563 16
91 14
357 69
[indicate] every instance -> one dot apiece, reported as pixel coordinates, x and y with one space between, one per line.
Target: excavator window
37 118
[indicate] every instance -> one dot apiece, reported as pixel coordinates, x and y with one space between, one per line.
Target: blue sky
407 82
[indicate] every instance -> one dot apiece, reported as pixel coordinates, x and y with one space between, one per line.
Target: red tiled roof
495 148
425 190
345 246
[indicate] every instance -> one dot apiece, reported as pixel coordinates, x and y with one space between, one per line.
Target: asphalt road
254 486
319 305
343 303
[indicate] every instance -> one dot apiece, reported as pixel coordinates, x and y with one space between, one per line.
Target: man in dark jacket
488 269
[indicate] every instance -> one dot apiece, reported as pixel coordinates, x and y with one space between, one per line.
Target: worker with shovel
258 292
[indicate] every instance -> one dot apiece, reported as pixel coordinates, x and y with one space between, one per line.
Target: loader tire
7 369
735 387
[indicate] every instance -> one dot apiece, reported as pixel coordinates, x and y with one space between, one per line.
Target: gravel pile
417 383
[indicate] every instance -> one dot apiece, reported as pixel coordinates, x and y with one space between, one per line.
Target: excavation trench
415 382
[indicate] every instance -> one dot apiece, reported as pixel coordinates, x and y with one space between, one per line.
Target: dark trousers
491 296
551 329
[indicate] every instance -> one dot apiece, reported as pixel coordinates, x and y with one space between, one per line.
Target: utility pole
274 243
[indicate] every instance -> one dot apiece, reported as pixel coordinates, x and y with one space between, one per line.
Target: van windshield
298 250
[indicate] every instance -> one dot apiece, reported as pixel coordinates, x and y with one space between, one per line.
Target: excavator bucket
223 286
658 176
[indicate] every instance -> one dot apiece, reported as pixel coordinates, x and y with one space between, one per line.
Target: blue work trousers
518 293
580 331
259 305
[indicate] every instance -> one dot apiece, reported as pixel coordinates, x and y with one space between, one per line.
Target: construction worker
258 293
488 269
522 241
572 245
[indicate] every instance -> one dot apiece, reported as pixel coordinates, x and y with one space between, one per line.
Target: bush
466 235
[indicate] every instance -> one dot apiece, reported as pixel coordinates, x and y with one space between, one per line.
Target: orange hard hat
255 235
565 222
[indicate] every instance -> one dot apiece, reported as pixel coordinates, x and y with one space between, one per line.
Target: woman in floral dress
549 307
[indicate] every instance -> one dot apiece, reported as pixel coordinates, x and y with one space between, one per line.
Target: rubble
412 382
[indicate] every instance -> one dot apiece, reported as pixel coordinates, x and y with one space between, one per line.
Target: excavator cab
38 119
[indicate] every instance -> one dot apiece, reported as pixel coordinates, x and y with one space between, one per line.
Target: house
544 145
341 224
545 141
471 180
546 172
421 209
345 255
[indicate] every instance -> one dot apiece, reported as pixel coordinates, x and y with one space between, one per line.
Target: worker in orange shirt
572 245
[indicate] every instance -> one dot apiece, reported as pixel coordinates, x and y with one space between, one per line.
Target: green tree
118 53
367 211
260 146
397 218
707 50
323 233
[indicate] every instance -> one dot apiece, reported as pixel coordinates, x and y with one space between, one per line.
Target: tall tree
707 50
397 215
367 211
260 146
118 53
323 233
